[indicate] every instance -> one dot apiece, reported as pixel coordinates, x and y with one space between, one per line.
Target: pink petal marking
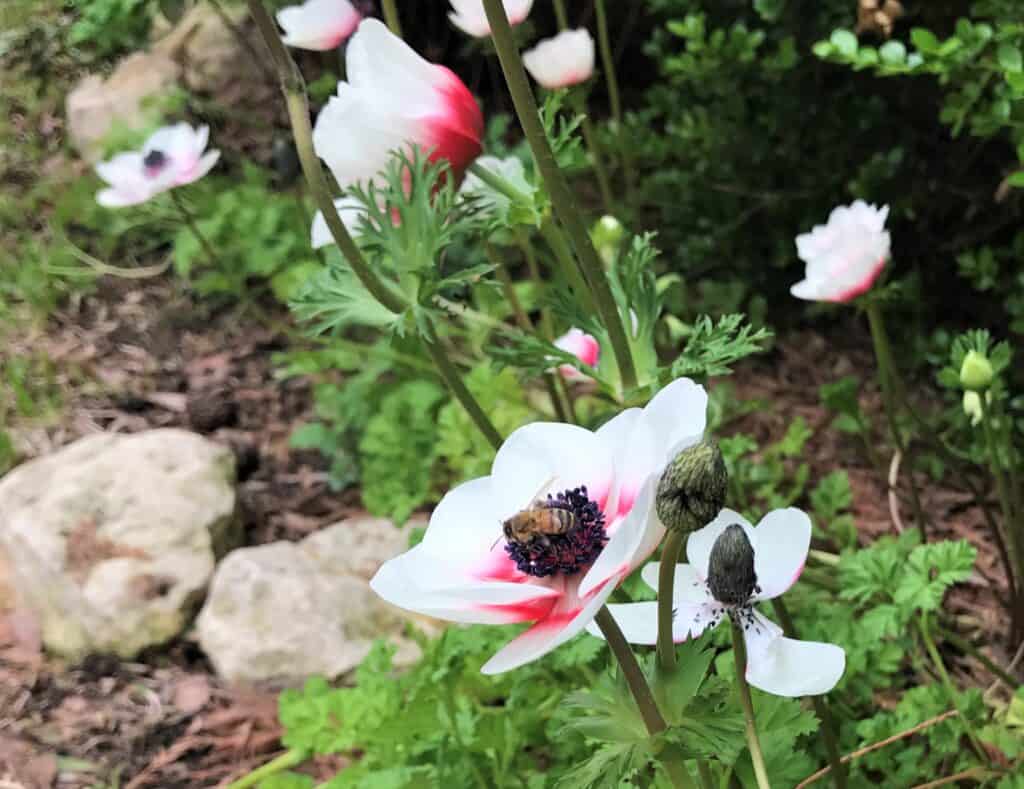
525 611
863 286
455 133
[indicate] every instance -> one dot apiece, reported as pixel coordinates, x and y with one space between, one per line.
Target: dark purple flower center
542 555
154 162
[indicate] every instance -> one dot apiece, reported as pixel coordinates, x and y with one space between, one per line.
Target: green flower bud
692 488
607 234
731 576
976 372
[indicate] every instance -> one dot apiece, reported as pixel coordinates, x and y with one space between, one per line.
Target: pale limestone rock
95 104
287 611
112 540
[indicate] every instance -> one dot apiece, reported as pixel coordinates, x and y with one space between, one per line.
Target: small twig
142 272
894 501
973 772
880 744
1009 669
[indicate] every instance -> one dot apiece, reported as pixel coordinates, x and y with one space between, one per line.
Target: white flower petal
570 615
318 25
465 523
793 668
687 588
350 209
567 59
700 542
781 541
630 543
677 416
639 622
470 18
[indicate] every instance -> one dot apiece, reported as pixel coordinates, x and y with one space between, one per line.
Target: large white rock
112 540
287 610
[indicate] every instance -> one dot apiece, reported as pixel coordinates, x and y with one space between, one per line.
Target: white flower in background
844 256
750 565
172 156
472 566
581 345
318 24
469 16
567 59
350 209
394 99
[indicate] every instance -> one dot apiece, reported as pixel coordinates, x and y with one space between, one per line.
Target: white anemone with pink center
469 15
775 664
584 347
394 100
562 61
467 570
844 256
319 25
172 156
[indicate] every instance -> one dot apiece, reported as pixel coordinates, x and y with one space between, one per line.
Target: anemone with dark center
568 553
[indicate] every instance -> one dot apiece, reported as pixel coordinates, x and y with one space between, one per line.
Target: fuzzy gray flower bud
731 576
692 488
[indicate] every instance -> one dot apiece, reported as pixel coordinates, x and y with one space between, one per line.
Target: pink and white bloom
845 256
172 156
466 570
567 59
775 664
319 25
581 345
469 16
393 100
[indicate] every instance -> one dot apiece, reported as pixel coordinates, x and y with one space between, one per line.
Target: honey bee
538 522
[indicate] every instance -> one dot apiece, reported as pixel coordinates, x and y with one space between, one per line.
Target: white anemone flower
567 59
394 100
469 16
172 156
844 256
775 664
467 570
584 347
319 25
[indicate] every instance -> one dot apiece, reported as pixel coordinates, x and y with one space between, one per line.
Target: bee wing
544 489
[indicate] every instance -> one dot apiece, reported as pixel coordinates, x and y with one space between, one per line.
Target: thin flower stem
892 393
562 199
242 39
666 581
821 707
287 759
1013 541
642 694
449 700
563 18
963 644
590 138
190 223
391 17
739 648
458 388
298 112
929 644
556 241
612 81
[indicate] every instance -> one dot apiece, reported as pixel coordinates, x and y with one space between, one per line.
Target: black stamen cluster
546 554
154 160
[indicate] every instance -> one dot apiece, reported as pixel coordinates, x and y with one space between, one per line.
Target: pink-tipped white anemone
319 25
581 345
844 256
775 664
469 15
172 156
465 570
393 100
567 59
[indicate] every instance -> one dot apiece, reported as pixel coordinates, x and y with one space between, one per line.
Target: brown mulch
134 357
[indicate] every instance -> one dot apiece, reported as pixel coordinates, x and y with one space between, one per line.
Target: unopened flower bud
731 576
976 372
607 234
692 488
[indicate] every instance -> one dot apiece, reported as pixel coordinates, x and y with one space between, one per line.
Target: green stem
936 658
190 223
828 724
391 17
707 780
283 762
739 648
563 18
641 691
449 700
590 138
556 241
612 81
892 392
966 646
499 184
453 378
562 199
666 604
